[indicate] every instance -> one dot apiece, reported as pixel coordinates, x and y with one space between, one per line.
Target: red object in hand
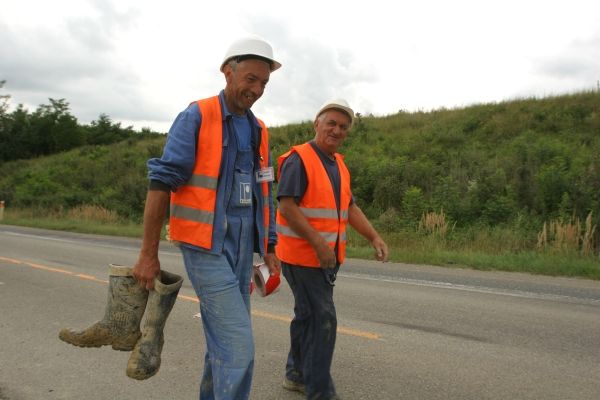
265 283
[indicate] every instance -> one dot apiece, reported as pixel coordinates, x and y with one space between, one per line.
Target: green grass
65 222
478 250
124 229
568 265
487 250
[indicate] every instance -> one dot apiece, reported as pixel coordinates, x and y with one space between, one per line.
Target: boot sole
293 386
115 345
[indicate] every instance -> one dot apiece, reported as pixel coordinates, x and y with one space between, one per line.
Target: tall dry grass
82 219
568 236
434 223
84 213
88 212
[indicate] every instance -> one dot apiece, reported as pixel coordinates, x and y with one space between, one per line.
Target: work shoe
289 384
120 326
144 361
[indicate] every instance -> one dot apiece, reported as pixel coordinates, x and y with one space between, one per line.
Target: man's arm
147 266
299 224
271 260
361 224
166 173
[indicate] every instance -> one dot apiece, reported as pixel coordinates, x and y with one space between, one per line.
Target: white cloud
141 62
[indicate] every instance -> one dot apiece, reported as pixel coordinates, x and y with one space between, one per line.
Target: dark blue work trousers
312 330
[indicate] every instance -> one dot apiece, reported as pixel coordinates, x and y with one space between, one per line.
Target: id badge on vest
265 175
242 189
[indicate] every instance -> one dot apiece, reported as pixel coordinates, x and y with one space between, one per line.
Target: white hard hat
251 46
337 104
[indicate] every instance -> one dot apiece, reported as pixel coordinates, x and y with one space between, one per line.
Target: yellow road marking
262 314
38 266
354 332
90 278
189 298
11 260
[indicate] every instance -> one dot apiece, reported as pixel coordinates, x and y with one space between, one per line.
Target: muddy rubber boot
120 326
144 361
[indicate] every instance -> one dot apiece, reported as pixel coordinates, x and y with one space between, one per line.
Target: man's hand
145 270
381 249
273 263
299 224
326 255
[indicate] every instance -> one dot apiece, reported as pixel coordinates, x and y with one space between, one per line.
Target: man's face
331 129
246 84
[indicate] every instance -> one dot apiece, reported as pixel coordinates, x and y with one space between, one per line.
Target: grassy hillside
112 177
488 163
512 185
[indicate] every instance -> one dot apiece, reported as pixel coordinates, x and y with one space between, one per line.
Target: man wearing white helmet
315 206
216 173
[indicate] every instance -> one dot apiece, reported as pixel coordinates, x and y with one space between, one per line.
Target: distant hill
490 163
517 162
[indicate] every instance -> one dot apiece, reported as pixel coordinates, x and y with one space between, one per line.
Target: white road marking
476 289
79 241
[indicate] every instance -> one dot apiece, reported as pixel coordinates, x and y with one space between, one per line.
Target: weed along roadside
482 250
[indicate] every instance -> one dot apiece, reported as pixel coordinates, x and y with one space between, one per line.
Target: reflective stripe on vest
319 207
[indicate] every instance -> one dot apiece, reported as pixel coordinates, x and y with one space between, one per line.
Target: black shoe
289 384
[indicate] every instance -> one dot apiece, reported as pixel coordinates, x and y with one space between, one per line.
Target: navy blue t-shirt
293 179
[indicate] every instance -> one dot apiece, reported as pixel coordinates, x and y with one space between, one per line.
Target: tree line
51 129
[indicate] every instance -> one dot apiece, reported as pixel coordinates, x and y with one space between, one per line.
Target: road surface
404 331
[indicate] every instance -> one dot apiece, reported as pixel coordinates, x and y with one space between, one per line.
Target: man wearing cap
216 173
315 206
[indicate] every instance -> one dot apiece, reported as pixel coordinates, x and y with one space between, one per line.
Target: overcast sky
141 62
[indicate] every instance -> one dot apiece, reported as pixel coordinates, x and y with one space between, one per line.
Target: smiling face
246 82
331 129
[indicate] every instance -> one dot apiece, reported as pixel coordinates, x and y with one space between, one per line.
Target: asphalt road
404 331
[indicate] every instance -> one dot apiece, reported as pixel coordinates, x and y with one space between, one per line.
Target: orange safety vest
320 209
193 204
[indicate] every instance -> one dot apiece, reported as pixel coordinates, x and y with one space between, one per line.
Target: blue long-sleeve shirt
174 168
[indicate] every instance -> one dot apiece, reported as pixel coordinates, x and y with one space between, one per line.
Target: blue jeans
222 283
312 330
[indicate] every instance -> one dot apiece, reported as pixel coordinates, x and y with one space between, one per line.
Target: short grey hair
233 63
